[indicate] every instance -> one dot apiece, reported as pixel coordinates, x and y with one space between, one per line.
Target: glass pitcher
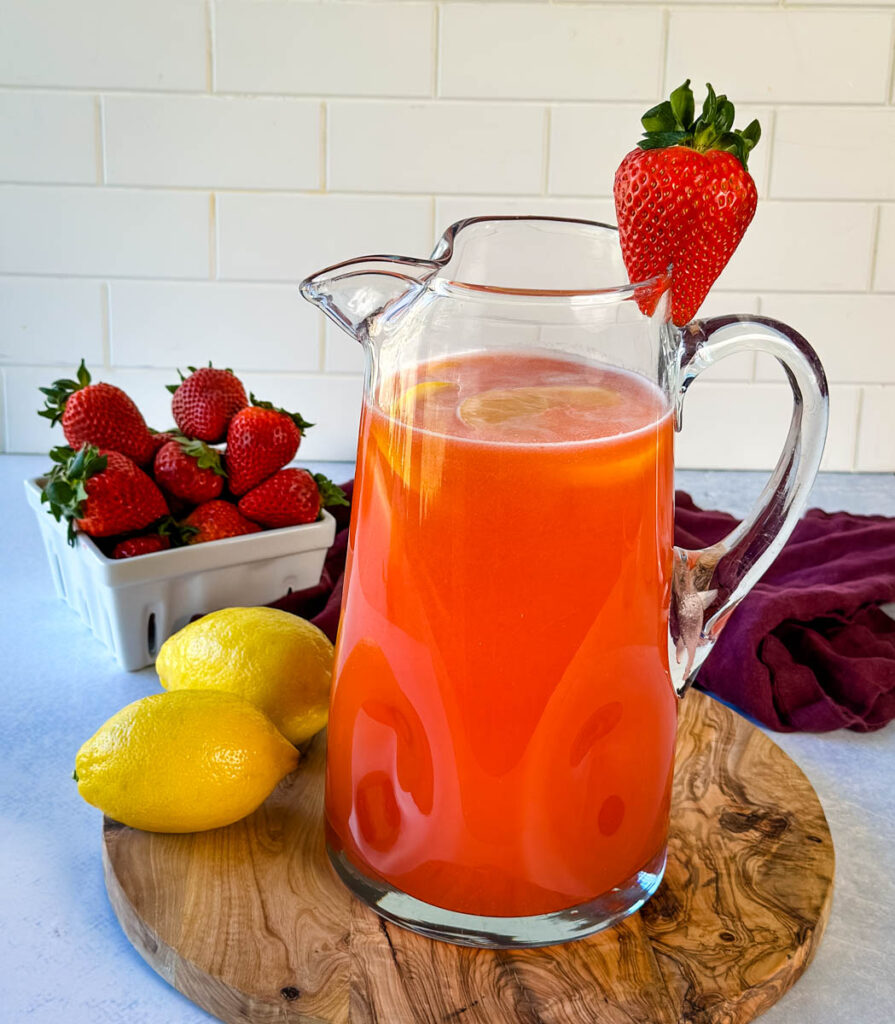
517 624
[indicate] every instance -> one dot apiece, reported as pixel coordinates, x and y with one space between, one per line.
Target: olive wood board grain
250 922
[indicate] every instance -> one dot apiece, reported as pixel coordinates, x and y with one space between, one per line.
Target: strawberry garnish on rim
684 198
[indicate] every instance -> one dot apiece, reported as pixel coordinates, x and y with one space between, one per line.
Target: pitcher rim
444 247
450 233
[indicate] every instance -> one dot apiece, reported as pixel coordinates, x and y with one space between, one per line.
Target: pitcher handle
708 583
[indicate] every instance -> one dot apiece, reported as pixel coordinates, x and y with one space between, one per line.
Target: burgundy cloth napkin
809 649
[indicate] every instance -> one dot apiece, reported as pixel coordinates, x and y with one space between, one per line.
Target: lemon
183 762
404 405
280 663
503 404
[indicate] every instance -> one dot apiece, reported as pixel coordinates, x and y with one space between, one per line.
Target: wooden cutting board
250 922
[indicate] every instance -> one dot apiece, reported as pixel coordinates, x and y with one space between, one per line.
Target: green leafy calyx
673 123
65 490
206 457
173 387
59 392
296 417
330 493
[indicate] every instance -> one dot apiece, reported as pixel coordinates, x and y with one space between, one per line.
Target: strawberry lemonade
502 722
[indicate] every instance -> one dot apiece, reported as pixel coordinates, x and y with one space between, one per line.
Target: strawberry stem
59 392
330 493
65 491
296 417
206 457
672 123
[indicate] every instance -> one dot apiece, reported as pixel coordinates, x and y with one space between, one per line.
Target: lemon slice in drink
501 405
402 408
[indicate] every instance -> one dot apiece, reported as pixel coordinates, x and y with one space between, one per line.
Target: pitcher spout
355 292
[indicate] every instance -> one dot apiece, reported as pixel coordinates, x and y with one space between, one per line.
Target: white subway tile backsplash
243 326
551 52
212 142
449 209
343 49
343 353
588 142
50 320
745 425
91 231
851 333
287 238
174 169
435 147
825 152
115 44
876 440
800 246
47 137
884 275
805 56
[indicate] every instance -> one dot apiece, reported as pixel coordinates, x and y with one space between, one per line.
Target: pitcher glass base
503 932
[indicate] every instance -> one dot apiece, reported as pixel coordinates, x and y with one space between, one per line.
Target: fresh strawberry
189 470
98 414
145 544
101 491
684 198
260 440
161 438
215 520
290 497
206 401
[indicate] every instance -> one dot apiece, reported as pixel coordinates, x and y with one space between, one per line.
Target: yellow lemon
405 404
280 663
504 404
183 762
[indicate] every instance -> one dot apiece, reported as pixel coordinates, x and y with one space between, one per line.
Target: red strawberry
206 401
260 440
290 497
162 437
103 492
215 520
145 544
684 199
189 470
99 415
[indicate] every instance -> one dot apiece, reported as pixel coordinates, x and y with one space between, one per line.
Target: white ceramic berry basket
134 604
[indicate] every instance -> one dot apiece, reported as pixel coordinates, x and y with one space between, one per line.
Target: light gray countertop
63 956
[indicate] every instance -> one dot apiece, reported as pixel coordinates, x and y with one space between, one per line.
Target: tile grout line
858 417
548 126
99 156
100 127
209 46
415 193
663 66
213 255
106 324
874 246
758 312
324 145
891 83
436 55
772 135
